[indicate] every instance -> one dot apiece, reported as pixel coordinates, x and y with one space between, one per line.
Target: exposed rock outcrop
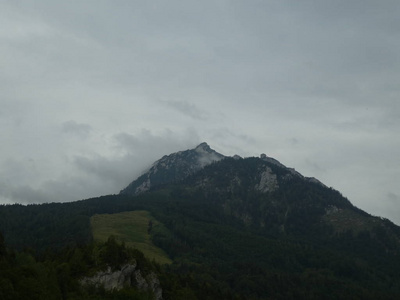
126 276
268 181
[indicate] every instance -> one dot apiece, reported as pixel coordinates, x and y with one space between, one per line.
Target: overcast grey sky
93 92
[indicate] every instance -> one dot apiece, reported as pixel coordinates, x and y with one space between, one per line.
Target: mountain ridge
179 165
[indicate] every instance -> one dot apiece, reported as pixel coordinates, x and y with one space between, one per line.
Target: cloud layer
92 92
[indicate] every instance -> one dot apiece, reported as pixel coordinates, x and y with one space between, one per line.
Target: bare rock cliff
127 276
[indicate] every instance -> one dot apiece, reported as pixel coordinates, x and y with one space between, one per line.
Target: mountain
257 219
259 191
265 196
173 168
234 228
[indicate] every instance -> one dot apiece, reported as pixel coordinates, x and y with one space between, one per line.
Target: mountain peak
174 167
203 147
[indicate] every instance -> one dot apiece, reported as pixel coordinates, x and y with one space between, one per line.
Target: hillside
234 228
133 228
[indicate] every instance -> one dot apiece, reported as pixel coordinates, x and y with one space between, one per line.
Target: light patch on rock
208 158
206 155
268 181
127 276
145 186
331 209
112 280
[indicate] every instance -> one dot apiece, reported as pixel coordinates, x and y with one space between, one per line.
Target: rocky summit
174 167
180 165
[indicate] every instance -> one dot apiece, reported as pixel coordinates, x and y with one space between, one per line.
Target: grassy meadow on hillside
132 228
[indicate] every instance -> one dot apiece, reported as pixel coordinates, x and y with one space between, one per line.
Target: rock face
174 167
268 181
112 280
127 276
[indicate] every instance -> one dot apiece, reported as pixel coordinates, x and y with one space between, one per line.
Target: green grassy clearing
132 228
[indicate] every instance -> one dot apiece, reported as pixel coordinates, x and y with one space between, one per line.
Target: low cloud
186 108
314 167
394 198
148 144
23 194
78 129
390 207
133 155
88 174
